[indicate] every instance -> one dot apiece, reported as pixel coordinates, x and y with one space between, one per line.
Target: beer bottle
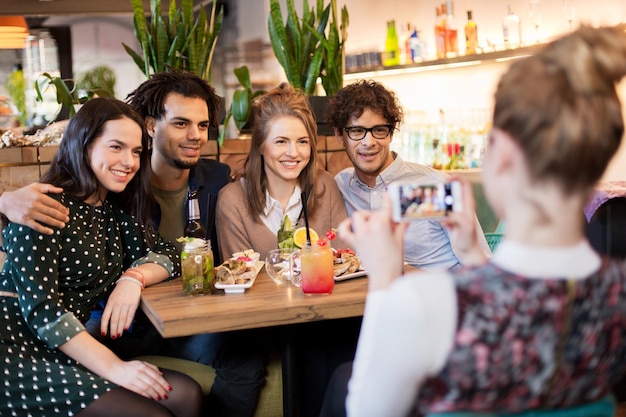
194 227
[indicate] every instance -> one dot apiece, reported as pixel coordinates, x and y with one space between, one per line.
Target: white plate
359 273
240 288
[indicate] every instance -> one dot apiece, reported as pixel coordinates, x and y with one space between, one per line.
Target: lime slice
286 244
286 223
299 236
206 265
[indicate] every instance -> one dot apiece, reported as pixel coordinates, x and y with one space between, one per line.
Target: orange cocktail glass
317 269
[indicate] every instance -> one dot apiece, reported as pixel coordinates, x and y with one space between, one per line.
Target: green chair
604 407
493 239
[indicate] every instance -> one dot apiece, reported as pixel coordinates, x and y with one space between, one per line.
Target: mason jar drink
317 274
197 267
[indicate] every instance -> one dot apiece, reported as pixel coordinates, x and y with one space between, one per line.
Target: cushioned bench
271 400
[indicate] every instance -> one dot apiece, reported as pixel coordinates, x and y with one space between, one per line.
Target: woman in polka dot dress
50 283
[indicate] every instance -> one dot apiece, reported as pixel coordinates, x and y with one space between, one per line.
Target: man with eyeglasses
364 116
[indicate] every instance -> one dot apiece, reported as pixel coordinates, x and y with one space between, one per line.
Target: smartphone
413 201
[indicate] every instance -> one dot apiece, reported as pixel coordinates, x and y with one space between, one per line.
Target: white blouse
273 214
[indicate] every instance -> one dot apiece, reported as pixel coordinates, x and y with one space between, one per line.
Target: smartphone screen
420 201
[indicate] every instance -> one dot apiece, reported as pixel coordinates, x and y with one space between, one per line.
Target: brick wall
20 166
23 165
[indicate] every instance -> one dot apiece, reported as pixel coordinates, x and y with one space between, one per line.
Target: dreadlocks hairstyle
148 98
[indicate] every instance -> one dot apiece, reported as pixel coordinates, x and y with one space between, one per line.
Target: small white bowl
251 257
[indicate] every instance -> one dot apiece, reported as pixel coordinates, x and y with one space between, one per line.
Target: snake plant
334 53
177 40
303 48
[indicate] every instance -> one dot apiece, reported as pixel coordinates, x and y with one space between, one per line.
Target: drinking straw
304 197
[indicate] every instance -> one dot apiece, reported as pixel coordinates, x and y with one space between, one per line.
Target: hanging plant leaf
241 106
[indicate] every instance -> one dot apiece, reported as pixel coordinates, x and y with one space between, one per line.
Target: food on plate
235 266
224 276
345 262
234 271
249 256
340 268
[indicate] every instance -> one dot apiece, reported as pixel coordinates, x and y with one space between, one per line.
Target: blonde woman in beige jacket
281 164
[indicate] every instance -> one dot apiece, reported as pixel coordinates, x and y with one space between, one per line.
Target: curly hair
353 99
148 98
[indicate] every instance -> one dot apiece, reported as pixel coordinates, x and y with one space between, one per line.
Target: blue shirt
426 242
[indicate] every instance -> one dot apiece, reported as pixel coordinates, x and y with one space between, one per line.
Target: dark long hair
71 170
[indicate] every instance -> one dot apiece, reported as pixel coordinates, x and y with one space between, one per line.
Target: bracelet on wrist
137 274
136 281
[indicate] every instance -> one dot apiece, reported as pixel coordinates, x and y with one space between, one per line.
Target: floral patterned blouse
525 343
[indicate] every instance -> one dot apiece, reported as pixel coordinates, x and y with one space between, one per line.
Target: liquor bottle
471 35
415 46
405 47
452 39
392 47
440 34
437 162
512 30
194 227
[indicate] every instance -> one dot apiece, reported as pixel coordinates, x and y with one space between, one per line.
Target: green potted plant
333 64
67 93
100 77
241 105
178 40
16 87
304 49
307 51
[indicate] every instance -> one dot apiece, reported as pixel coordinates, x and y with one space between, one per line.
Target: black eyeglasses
359 132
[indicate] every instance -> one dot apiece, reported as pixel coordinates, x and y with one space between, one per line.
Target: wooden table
265 304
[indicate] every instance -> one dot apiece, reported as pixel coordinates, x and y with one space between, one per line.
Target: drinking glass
277 265
197 267
317 275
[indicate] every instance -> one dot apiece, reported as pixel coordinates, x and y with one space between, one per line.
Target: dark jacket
208 178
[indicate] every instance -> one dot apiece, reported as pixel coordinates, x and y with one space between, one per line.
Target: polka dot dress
58 280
